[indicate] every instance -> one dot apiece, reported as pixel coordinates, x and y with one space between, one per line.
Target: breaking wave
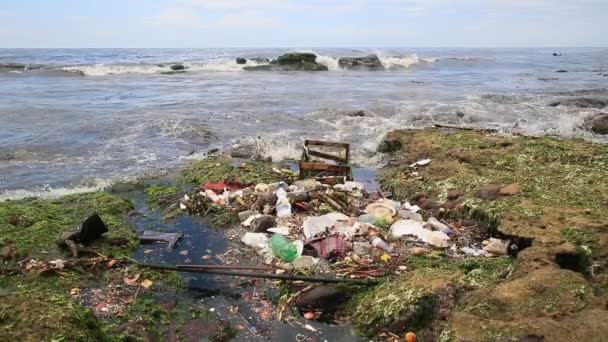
390 62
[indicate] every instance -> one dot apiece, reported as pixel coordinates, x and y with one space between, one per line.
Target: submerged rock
324 297
371 62
178 67
583 102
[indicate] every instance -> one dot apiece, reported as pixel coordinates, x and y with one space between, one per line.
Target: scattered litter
149 236
256 240
411 227
131 281
412 208
497 247
279 230
328 247
437 225
422 162
146 283
282 248
381 244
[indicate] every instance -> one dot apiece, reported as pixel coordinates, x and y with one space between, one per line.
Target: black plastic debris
91 229
171 239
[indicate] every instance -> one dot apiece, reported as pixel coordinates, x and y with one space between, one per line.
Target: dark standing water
76 120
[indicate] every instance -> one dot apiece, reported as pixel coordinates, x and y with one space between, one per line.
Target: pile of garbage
305 224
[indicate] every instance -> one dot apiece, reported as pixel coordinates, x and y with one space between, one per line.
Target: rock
356 113
178 67
453 195
561 71
323 297
296 57
598 124
244 215
581 102
489 192
510 189
419 251
293 61
242 151
555 54
389 146
241 60
497 247
262 223
371 62
408 215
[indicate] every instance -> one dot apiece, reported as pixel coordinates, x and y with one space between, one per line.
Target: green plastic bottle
282 248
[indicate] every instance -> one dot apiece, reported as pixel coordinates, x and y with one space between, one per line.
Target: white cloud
175 17
248 20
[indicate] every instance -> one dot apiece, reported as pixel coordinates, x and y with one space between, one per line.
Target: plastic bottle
282 248
380 244
437 225
283 205
213 196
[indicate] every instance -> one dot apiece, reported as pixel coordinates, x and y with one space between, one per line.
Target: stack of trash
300 224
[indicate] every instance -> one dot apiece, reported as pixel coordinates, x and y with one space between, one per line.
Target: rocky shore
545 197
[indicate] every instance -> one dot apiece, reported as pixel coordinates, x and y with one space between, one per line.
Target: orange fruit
410 337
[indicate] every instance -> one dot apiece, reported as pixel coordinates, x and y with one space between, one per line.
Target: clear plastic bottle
380 244
282 248
283 205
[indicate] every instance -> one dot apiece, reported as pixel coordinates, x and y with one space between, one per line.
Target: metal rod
260 275
223 267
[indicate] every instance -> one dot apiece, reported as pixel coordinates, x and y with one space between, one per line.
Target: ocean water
80 119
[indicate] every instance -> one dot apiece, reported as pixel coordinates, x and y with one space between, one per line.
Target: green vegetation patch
400 305
215 169
46 316
562 182
33 225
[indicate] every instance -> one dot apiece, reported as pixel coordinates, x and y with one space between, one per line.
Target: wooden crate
335 171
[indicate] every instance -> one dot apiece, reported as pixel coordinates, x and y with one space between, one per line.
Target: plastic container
282 248
380 244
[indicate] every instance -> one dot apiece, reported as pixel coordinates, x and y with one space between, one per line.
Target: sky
302 23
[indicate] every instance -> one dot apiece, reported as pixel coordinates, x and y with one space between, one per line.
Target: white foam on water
403 61
49 192
330 62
